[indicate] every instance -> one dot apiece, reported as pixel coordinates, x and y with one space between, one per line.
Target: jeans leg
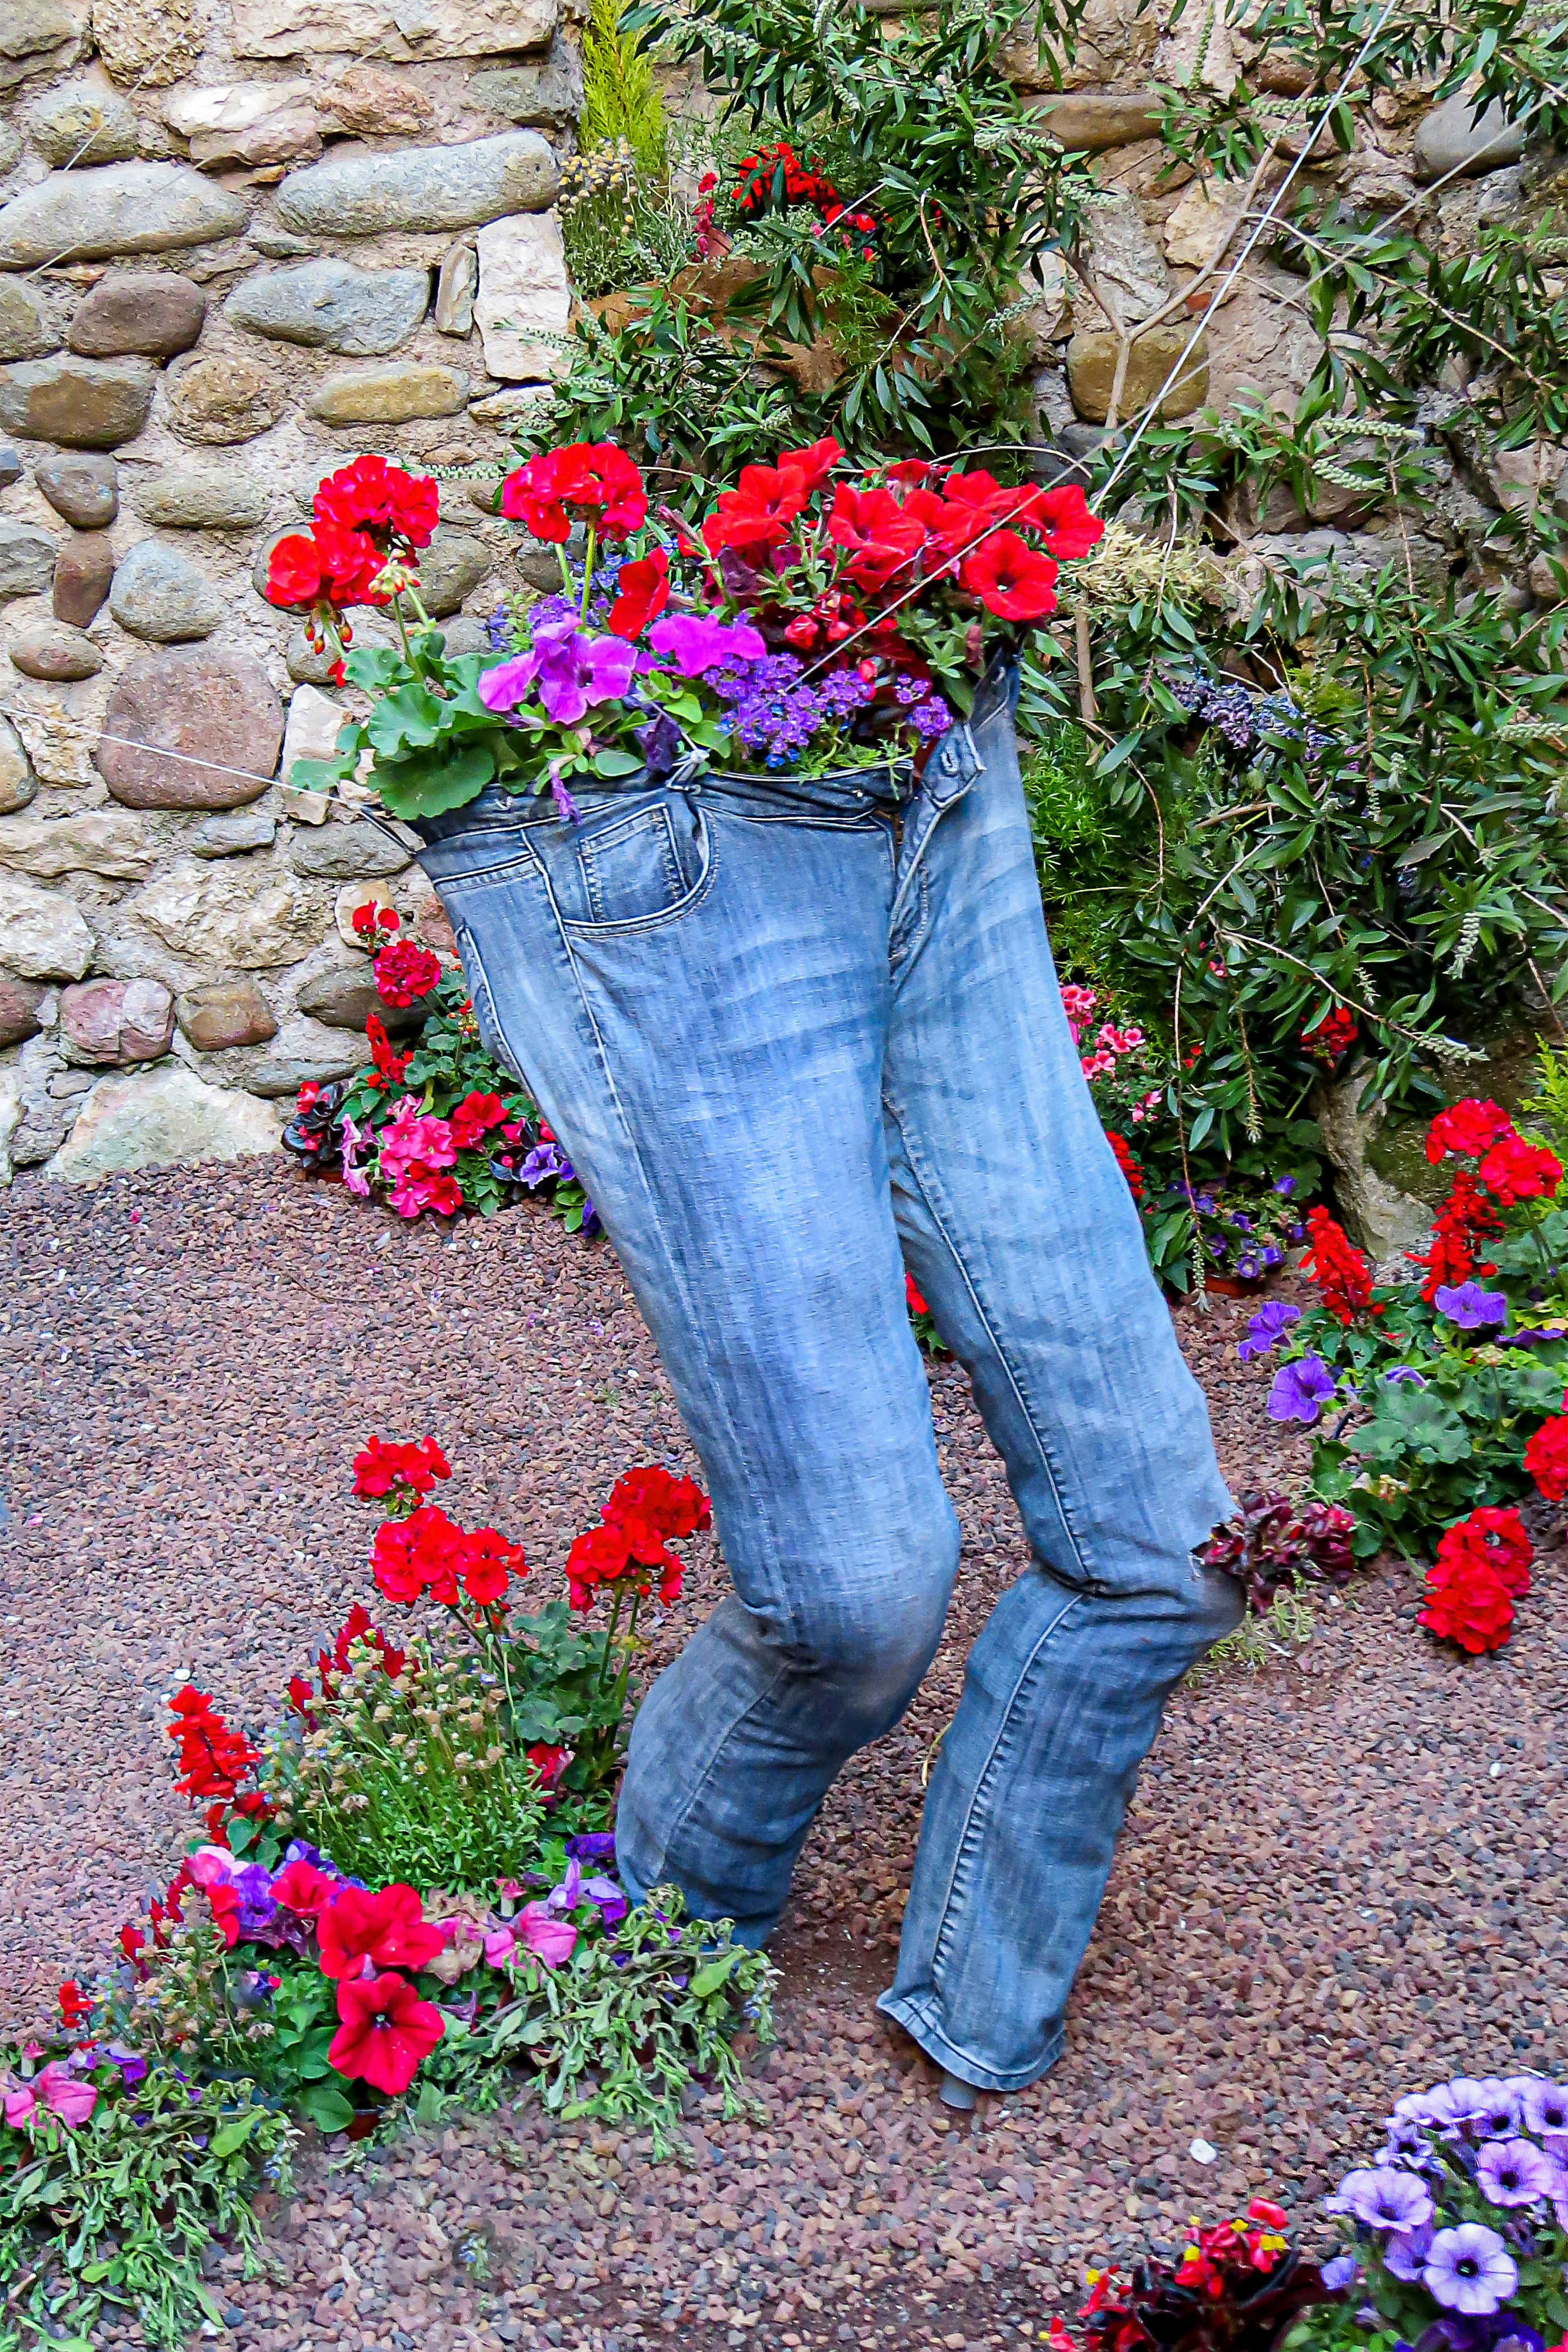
1019 1229
700 1003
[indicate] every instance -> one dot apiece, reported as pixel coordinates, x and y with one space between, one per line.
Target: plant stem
587 573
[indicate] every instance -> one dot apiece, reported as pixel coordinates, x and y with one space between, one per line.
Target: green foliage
634 236
118 2210
408 1778
679 396
921 128
1286 1626
561 1693
620 97
634 2016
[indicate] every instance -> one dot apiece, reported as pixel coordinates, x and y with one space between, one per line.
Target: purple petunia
1470 1307
1384 2198
1404 2251
1513 2172
1545 2106
1300 1389
1469 2269
569 669
1340 2271
696 643
1496 2111
1264 1330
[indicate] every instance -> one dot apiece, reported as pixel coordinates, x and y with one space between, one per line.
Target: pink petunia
549 1939
54 2089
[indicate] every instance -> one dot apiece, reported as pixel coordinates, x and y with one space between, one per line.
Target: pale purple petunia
1513 2172
1545 2106
1300 1389
1469 2269
1384 2198
1340 2271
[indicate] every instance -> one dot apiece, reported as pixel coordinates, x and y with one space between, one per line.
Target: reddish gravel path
1338 1878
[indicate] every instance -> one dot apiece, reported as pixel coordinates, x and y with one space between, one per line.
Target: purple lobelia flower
569 669
1544 2106
1404 2251
1469 2269
1382 2197
1300 1389
1513 2172
1340 2271
1263 1331
696 643
1470 1307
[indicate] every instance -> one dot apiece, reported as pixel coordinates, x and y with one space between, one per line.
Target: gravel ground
1338 1881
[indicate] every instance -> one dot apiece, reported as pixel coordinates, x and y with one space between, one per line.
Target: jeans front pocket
629 869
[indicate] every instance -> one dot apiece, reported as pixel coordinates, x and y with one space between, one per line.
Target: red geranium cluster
1332 1035
1546 1456
428 1552
1342 1272
386 1067
402 1471
648 1509
591 482
366 516
213 1760
923 525
333 1663
1125 1162
773 170
404 971
1508 1170
1482 1565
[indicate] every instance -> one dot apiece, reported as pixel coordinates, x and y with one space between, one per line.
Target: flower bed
403 1891
1438 1400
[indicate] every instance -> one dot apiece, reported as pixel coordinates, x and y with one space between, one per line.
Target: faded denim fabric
792 1046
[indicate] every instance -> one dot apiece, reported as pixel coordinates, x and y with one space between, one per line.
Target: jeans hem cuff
915 2018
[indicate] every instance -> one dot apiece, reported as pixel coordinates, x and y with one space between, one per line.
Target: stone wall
239 243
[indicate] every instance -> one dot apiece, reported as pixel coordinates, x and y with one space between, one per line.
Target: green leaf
327 2107
717 1972
428 787
615 763
235 2133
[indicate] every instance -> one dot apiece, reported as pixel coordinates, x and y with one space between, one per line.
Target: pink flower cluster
1078 1004
418 1151
1109 1045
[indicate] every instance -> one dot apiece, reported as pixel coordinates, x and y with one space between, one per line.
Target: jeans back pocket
629 868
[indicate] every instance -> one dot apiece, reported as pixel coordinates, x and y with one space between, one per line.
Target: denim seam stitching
780 1678
924 2011
1048 1462
630 1131
955 1894
641 926
613 835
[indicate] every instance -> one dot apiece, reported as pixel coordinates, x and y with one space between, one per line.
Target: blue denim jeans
795 1041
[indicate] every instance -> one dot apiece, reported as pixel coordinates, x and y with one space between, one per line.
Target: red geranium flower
387 2030
326 565
423 1550
598 1557
591 482
1010 578
488 1561
371 495
642 592
1473 1610
387 1065
1468 1128
1331 1036
75 2006
388 1930
356 1627
385 1469
1491 1539
815 464
404 971
213 1760
676 1506
472 1119
549 1763
914 1299
1515 1171
1546 1458
1463 1221
372 917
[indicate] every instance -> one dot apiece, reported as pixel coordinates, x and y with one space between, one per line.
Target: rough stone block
43 934
523 307
427 188
330 306
160 594
97 841
372 28
224 1014
26 559
165 1118
222 397
152 311
83 403
18 785
390 395
24 329
124 208
55 651
118 1020
205 729
80 125
217 915
21 1007
86 490
1092 373
348 853
201 497
345 999
232 836
83 573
